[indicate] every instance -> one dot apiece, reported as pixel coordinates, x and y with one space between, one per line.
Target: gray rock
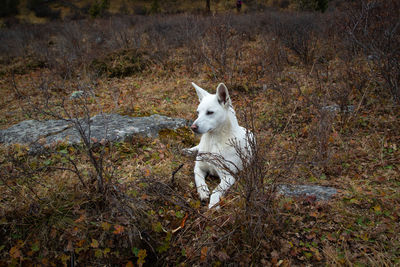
76 94
110 127
30 131
336 108
320 192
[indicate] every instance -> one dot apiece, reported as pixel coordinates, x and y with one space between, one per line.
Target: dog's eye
210 112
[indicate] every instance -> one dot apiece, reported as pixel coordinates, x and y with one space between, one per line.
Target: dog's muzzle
195 128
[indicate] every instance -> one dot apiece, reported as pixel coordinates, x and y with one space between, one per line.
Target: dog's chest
212 144
223 149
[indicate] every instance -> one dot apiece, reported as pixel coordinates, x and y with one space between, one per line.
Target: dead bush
250 219
319 102
221 50
119 64
90 192
375 29
299 33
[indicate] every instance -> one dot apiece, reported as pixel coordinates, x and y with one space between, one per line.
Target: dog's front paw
214 200
190 151
204 193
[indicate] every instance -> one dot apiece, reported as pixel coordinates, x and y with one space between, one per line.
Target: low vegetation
319 90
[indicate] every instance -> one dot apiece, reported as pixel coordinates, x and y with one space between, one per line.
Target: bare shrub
375 28
13 42
193 29
299 33
124 32
221 49
251 217
273 59
162 34
96 196
69 48
319 101
26 47
75 110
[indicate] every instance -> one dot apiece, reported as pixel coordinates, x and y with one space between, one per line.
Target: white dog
219 128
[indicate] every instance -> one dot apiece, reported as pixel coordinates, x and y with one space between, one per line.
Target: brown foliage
319 88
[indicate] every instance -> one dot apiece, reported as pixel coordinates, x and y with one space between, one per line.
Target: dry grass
144 210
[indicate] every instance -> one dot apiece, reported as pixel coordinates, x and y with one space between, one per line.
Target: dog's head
213 109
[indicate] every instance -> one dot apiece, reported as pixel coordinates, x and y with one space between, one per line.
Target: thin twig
174 172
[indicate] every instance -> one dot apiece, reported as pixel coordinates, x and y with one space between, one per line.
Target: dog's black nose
194 128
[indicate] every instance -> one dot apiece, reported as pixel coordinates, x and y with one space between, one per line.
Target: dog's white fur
219 128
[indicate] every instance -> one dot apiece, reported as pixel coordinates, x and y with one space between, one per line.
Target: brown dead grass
359 227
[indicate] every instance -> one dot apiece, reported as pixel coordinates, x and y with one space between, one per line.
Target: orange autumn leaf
129 264
81 218
15 252
330 237
203 253
94 244
80 243
145 197
118 229
184 220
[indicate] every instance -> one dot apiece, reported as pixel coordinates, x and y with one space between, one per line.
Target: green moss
183 134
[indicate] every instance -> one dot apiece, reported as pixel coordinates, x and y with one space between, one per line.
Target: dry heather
320 91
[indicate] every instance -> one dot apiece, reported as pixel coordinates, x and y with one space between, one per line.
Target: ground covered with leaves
320 92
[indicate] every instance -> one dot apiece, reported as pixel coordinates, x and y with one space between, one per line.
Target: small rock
336 108
76 94
320 192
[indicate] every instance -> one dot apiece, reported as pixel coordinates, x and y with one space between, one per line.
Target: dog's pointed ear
201 93
223 95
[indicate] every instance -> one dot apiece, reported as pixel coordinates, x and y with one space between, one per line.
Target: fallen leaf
203 253
106 226
15 252
98 253
81 218
141 256
94 244
80 243
184 220
330 237
118 229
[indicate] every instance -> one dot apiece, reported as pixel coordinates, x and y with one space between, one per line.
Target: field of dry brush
320 91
